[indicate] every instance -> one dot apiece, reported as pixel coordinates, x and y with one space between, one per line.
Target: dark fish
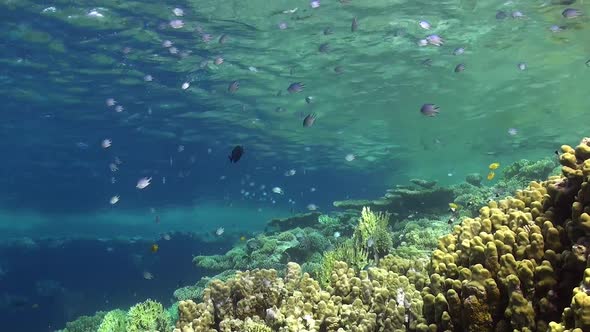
355 24
339 70
459 68
223 38
500 15
571 13
309 99
588 63
563 2
296 87
429 110
236 154
324 48
426 62
328 31
233 87
309 120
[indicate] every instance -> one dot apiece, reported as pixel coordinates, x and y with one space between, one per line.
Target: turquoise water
61 62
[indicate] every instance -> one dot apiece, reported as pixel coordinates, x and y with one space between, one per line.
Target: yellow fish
494 166
491 175
453 206
154 248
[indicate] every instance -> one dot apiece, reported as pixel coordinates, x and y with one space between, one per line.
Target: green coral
85 323
372 233
327 220
147 316
114 321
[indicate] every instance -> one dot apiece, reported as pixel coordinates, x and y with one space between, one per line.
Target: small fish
556 28
494 166
223 39
106 143
328 31
587 63
309 99
147 275
278 190
424 25
426 62
336 235
154 248
517 14
354 25
459 68
314 4
324 48
451 220
178 12
296 87
233 87
243 238
453 207
312 207
521 66
512 131
491 175
459 51
429 110
185 85
148 78
571 13
435 40
236 154
219 231
500 15
143 183
114 200
309 120
349 157
176 24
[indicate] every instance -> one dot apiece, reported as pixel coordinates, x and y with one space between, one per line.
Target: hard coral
376 299
503 269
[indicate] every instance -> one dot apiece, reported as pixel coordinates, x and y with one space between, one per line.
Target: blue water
62 60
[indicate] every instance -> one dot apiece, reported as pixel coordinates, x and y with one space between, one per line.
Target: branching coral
147 316
372 233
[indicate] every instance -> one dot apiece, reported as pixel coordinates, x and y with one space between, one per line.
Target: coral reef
268 251
113 321
85 323
299 220
513 267
147 316
418 235
377 299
